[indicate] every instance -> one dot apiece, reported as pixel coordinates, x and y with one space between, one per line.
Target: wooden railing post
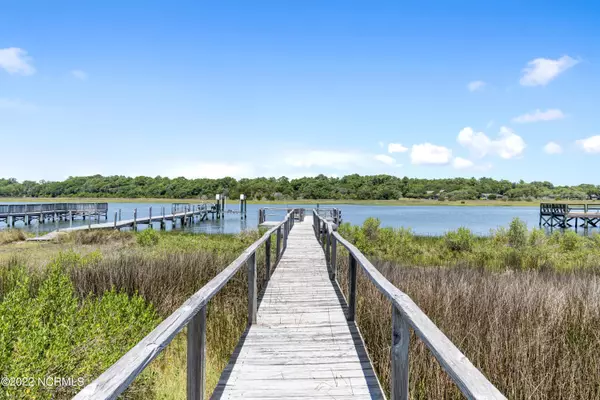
115 220
285 234
333 257
135 219
399 356
252 289
150 217
196 356
268 258
328 245
351 287
278 241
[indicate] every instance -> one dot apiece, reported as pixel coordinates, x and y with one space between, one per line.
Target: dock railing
405 314
265 212
37 208
192 314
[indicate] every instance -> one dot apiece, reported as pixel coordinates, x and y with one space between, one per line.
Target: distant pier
50 212
569 215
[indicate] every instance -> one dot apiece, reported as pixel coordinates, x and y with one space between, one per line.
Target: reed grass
531 330
11 236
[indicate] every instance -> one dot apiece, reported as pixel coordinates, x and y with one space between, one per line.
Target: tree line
350 187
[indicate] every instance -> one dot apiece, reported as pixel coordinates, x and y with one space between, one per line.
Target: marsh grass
11 235
531 327
513 248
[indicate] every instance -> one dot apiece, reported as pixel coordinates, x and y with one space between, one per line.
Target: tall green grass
159 270
505 248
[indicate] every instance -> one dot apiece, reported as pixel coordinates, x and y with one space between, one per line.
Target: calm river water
424 220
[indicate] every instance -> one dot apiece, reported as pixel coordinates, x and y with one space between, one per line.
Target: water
423 220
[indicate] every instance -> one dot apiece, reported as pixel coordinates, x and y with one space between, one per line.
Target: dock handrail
469 380
52 207
192 313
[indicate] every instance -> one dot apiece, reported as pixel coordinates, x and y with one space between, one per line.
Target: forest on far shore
350 187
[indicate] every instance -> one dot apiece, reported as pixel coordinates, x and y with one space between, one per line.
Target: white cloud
79 74
430 154
542 70
337 159
384 158
15 105
539 115
16 61
396 148
552 148
590 145
489 124
462 163
475 86
507 145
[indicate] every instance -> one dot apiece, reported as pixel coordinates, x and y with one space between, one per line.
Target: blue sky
297 88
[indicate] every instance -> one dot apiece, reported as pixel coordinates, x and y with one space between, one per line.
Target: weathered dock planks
302 345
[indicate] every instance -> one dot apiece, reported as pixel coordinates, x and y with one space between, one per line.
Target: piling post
119 214
70 219
135 219
242 206
150 217
116 214
218 210
90 222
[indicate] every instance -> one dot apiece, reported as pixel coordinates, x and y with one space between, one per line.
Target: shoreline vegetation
348 188
516 298
324 202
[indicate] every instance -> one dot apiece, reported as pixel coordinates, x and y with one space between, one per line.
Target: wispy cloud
552 148
539 115
79 74
15 105
462 163
336 159
430 154
475 86
384 158
507 145
590 145
396 148
541 71
16 61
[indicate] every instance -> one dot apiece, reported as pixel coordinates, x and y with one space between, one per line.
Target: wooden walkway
301 346
126 223
301 341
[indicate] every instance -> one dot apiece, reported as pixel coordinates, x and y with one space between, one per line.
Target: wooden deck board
302 347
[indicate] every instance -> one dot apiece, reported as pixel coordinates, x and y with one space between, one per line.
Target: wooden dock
43 212
301 345
569 215
301 341
186 217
